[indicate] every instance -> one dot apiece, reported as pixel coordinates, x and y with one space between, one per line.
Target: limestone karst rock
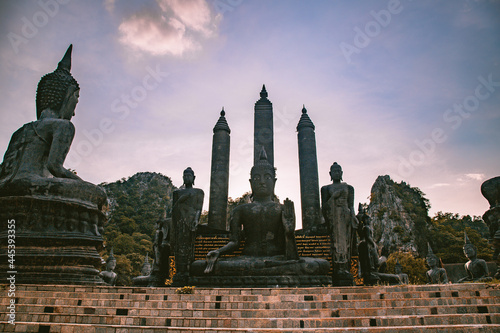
399 215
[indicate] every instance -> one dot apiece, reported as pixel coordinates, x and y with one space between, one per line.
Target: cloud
173 27
475 176
439 185
195 14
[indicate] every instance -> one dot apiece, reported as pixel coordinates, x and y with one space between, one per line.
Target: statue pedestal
56 240
261 281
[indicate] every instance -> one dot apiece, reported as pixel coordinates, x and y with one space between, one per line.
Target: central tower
263 128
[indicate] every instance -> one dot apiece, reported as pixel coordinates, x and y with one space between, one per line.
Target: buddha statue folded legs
52 207
269 256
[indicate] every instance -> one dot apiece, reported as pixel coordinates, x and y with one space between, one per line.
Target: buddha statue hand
212 257
288 216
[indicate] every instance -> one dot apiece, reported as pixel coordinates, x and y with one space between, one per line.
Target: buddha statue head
398 268
470 250
432 259
111 262
262 177
146 266
57 92
188 177
336 172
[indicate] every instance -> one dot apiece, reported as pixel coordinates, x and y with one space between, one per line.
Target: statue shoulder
58 127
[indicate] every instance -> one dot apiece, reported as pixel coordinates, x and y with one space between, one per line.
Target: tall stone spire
308 168
263 127
219 176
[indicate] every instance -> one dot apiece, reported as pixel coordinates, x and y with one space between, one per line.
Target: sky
409 89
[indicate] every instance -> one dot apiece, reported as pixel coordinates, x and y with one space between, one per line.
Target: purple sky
405 88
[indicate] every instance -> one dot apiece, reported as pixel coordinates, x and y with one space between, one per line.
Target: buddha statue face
336 172
68 108
432 261
262 181
111 265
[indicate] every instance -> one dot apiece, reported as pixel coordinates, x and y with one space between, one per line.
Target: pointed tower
219 176
308 168
263 128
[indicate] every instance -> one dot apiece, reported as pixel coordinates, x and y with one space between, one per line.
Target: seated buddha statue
436 274
269 256
476 269
33 162
109 276
59 217
369 261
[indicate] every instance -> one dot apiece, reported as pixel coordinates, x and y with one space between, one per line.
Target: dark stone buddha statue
436 274
187 204
33 163
59 217
369 261
145 277
109 276
476 269
337 204
269 256
491 191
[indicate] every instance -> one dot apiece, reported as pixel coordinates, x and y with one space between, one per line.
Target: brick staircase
412 308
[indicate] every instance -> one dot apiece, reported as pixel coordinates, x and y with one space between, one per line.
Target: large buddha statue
269 256
59 218
187 204
33 163
491 191
337 204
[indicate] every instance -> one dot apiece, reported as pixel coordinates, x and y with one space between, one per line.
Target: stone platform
471 307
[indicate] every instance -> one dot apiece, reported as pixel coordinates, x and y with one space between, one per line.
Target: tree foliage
414 267
446 237
135 204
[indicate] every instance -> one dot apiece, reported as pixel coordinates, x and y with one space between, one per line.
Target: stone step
214 304
29 327
334 311
324 296
259 291
256 323
411 308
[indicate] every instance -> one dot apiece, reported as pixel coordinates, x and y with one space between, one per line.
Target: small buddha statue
436 274
162 252
108 276
398 269
33 162
369 261
269 256
337 201
143 279
476 269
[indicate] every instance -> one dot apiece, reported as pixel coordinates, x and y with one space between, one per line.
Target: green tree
446 237
414 267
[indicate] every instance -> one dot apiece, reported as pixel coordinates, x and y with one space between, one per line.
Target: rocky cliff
399 215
